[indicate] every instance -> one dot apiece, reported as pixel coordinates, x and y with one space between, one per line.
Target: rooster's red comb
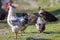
8 6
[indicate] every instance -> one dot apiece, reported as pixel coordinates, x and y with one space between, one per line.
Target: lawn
52 32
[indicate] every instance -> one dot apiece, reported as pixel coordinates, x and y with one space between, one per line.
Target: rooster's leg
16 34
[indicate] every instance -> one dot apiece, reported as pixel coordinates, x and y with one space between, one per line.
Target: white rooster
16 23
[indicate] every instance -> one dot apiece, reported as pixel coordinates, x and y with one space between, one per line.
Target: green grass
52 32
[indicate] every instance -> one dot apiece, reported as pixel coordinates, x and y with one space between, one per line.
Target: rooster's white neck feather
11 11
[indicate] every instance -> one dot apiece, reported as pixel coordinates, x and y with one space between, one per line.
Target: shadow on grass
30 32
51 32
34 32
56 12
37 39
